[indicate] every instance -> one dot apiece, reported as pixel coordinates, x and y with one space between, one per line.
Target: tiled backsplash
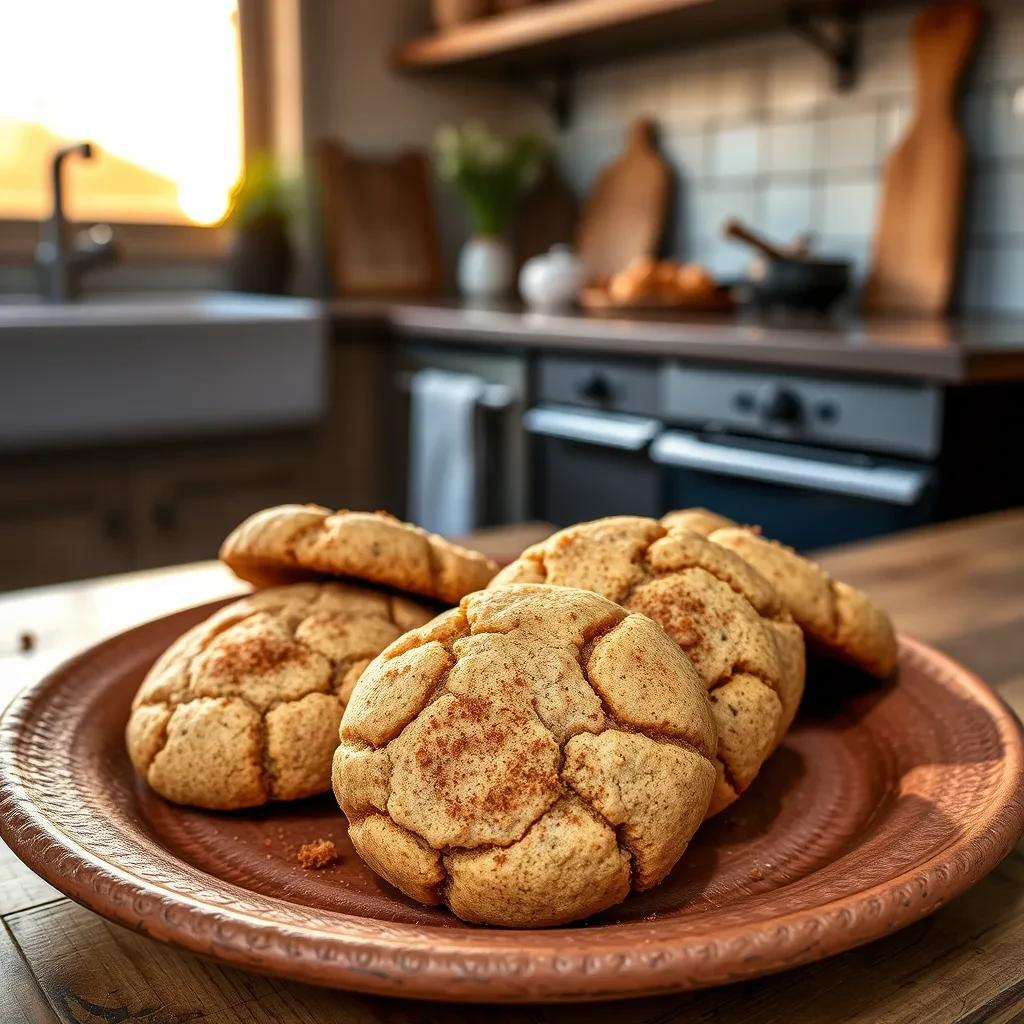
755 130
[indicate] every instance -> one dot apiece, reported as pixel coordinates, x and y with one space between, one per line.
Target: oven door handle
606 430
896 485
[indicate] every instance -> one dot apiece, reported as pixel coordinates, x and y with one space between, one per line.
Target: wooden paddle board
624 215
917 233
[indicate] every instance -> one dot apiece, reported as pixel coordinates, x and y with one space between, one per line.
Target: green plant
261 197
491 172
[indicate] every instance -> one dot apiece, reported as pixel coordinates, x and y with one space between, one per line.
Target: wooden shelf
553 35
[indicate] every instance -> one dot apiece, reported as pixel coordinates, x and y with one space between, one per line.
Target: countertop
155 309
945 351
959 586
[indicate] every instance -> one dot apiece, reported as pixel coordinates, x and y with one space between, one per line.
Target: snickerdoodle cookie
526 758
301 542
837 618
244 708
726 617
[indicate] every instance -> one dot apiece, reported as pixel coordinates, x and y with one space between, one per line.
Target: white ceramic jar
552 281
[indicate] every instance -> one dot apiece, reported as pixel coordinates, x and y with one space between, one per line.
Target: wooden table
960 587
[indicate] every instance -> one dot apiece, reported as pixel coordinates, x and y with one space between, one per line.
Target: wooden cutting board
915 252
624 214
379 227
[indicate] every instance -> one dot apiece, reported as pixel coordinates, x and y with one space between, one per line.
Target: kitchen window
156 85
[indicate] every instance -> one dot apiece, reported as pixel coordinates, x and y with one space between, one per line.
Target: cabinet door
187 503
61 522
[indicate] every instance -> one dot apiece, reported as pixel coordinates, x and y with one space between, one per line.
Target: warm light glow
156 84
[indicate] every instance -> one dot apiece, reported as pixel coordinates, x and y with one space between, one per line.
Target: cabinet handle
165 517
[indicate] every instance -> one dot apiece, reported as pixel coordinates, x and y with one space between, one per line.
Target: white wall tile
734 152
993 121
975 279
725 259
849 208
1006 279
797 80
586 154
714 204
689 95
997 202
850 141
993 279
685 151
787 209
735 90
789 146
754 128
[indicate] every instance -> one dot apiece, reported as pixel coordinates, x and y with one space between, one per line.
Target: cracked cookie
724 615
245 707
837 619
527 758
288 543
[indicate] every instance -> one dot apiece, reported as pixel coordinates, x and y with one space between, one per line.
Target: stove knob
779 406
596 389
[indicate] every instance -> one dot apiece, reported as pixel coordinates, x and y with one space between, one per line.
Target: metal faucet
61 260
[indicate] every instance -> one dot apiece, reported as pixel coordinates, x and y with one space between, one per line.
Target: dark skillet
783 277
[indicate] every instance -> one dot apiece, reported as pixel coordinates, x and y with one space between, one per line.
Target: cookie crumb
318 854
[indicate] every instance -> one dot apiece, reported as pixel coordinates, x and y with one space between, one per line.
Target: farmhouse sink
162 366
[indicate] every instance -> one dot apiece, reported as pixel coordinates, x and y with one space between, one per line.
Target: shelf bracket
556 92
836 37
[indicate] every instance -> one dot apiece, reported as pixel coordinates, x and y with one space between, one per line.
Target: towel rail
495 397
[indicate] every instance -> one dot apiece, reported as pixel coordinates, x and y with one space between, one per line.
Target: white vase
550 282
485 267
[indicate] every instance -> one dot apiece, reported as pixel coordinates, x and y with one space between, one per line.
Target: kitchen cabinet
185 503
66 516
66 525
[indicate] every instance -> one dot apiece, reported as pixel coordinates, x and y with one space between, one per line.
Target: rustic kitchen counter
959 586
943 351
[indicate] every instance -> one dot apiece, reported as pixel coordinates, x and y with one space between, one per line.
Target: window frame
147 242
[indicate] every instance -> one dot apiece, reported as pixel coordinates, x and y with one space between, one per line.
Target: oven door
589 464
804 496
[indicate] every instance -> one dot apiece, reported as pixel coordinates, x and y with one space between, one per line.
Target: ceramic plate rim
494 965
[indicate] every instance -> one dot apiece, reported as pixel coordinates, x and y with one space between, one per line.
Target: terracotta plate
881 805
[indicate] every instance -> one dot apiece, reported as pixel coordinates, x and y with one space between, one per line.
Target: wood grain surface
624 215
915 250
380 229
959 586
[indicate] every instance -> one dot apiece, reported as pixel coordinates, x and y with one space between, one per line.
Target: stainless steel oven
814 460
591 430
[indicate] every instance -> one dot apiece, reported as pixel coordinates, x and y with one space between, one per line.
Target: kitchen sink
159 366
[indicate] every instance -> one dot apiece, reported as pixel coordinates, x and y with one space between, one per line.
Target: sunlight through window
155 84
